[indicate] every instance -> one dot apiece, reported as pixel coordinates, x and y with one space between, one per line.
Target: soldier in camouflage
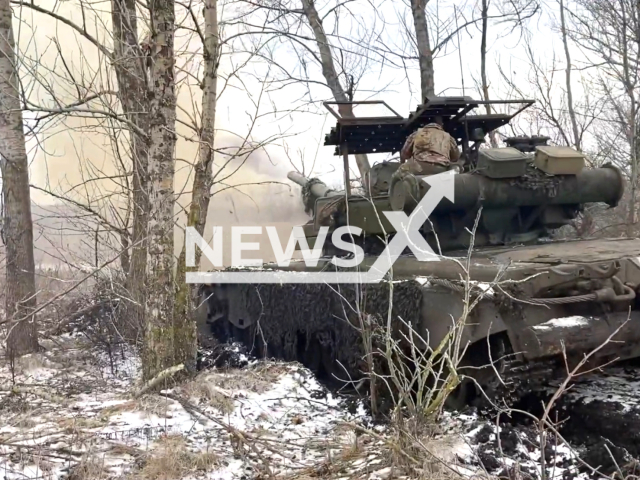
428 151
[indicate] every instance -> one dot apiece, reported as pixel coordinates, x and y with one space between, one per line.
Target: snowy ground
68 407
70 412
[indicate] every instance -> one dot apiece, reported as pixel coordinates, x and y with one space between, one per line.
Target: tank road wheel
462 396
309 352
480 375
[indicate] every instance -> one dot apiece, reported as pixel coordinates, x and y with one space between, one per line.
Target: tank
538 303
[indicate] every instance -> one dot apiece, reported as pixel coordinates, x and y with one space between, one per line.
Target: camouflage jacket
430 144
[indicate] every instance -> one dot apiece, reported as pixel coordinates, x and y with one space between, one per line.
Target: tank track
520 378
516 376
509 380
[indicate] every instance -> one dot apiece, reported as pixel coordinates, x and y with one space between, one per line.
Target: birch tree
125 122
511 12
340 94
144 115
203 177
17 228
161 326
423 33
577 136
493 138
303 26
188 295
133 91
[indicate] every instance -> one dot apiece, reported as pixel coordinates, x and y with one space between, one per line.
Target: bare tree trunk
130 68
159 352
125 260
586 224
572 113
631 211
202 183
628 81
330 74
203 180
17 227
483 66
425 55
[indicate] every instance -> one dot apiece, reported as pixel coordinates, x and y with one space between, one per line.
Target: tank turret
517 200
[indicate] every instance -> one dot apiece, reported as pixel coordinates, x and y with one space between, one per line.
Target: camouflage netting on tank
294 313
536 179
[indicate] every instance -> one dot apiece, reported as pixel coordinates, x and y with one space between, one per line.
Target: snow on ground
565 322
69 412
509 450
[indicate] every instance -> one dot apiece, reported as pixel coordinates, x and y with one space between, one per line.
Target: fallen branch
239 436
155 381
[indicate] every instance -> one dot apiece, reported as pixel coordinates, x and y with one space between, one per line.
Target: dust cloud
81 166
86 159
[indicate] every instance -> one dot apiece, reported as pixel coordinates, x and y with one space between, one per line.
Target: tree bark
130 68
159 352
17 226
203 181
483 66
586 223
330 74
425 55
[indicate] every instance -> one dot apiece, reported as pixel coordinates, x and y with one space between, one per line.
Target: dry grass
89 468
357 453
51 282
208 392
120 449
128 406
77 424
216 388
25 422
149 404
29 363
172 460
154 405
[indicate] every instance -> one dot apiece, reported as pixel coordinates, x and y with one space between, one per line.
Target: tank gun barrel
297 178
316 187
312 189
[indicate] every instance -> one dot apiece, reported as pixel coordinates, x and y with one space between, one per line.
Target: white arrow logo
408 227
407 235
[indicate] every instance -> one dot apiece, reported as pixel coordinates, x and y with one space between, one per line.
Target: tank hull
551 302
